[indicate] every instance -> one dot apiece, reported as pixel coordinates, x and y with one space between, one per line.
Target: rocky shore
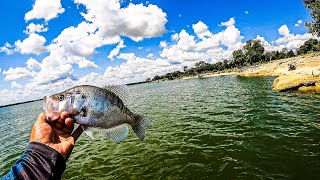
299 73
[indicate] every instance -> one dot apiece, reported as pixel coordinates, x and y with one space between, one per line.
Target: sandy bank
306 76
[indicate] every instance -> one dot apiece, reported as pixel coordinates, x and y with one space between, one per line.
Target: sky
49 46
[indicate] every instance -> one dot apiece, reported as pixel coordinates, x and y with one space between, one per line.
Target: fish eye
61 97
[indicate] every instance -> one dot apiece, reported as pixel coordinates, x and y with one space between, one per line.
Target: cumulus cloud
16 85
7 48
81 40
32 28
288 40
185 50
34 44
116 50
150 55
137 69
18 73
44 9
230 22
33 64
299 22
201 30
284 30
135 21
246 12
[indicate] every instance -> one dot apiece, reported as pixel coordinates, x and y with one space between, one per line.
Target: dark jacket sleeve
39 161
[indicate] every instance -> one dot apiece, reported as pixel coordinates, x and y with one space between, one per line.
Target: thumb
41 118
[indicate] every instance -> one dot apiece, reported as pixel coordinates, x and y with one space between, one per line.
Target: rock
298 73
294 82
292 67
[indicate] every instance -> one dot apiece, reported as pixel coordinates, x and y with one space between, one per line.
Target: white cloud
150 55
116 50
246 12
55 68
32 28
33 64
284 30
201 30
7 48
18 73
44 9
140 47
163 44
228 23
299 22
34 44
185 50
81 40
288 40
134 21
84 63
137 69
16 85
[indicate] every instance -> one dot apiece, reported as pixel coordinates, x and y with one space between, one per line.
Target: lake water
215 128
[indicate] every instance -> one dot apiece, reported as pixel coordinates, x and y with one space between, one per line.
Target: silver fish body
96 107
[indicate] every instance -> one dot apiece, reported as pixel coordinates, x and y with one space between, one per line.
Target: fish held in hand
94 107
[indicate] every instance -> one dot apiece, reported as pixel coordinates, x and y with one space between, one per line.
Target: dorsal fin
122 91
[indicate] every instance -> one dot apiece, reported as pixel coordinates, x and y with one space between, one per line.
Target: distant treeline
252 53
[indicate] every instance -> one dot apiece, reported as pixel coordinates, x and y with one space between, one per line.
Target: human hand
56 134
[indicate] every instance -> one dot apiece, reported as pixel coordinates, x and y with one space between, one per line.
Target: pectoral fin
87 131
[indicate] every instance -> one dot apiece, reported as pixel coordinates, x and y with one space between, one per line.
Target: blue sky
153 37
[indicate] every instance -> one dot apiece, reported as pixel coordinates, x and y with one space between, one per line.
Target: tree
253 51
314 6
239 58
310 45
290 54
185 68
270 55
156 78
225 64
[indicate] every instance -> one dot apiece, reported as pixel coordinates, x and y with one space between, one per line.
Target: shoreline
305 77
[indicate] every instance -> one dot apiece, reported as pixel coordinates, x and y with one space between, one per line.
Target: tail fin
140 126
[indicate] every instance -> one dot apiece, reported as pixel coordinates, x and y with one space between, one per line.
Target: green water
215 128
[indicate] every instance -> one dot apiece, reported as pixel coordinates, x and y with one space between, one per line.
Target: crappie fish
94 107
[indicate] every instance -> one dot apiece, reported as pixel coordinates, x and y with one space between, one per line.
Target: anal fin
116 134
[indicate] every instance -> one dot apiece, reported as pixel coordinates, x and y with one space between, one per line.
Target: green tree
239 58
156 78
225 64
290 54
185 68
314 7
253 51
310 45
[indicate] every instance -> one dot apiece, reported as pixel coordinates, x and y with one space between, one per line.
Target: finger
64 115
69 123
41 118
77 133
58 125
67 131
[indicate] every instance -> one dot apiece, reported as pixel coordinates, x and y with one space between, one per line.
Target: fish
96 107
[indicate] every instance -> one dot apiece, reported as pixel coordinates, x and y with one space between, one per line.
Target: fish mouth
50 108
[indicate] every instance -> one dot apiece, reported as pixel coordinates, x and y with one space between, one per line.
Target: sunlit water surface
221 128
